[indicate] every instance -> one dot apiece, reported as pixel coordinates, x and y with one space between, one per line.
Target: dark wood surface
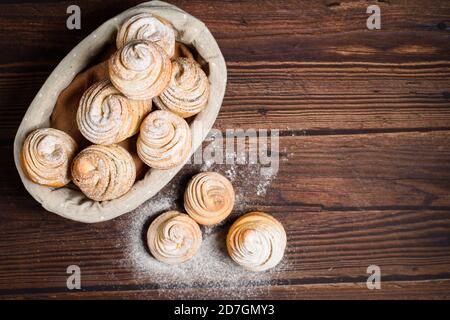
364 177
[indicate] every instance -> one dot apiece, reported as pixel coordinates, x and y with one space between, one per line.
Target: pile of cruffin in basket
112 110
146 70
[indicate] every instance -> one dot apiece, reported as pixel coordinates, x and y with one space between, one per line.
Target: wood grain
364 171
395 290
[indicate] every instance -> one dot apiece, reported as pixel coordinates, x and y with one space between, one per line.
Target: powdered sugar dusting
211 270
266 177
231 173
207 164
47 145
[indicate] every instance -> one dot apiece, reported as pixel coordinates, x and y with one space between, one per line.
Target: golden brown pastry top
188 91
174 238
105 116
46 157
256 241
140 69
147 26
104 172
209 198
164 140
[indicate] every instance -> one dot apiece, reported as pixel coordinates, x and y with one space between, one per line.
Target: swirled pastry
188 91
104 172
105 116
174 237
209 198
46 157
147 26
164 141
256 241
140 69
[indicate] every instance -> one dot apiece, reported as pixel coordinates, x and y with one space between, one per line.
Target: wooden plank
300 97
326 29
391 290
394 170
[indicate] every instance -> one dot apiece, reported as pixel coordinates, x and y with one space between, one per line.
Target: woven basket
72 204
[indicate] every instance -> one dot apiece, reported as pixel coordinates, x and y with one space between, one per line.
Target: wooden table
364 176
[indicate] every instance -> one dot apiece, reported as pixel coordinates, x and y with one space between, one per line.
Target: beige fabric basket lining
72 204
